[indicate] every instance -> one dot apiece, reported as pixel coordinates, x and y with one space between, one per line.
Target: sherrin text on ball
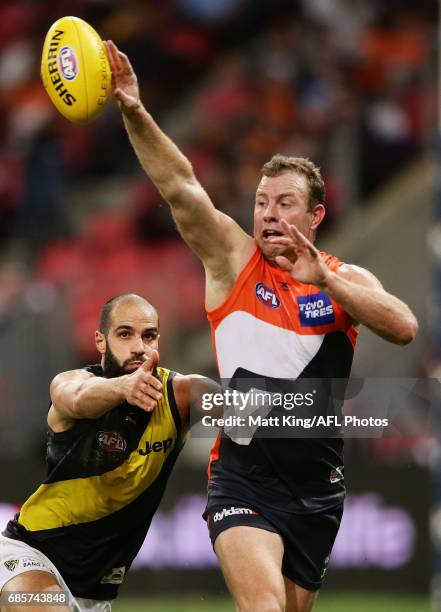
75 69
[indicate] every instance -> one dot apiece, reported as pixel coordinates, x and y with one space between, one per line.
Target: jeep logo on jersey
267 296
315 309
111 441
156 447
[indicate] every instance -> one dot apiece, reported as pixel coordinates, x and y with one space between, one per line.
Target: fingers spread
126 100
112 52
300 240
283 262
292 231
125 64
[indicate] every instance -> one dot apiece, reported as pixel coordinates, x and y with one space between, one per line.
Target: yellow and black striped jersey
105 480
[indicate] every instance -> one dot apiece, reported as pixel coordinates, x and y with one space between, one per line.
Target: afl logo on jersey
111 441
267 296
67 63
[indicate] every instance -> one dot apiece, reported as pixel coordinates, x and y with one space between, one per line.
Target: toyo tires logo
67 63
315 309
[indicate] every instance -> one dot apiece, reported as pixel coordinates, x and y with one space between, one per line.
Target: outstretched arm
190 392
209 232
358 291
81 395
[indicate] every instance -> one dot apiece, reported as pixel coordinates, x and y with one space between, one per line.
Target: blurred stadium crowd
348 83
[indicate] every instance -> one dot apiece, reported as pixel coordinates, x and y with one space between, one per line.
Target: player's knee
30 582
34 580
271 600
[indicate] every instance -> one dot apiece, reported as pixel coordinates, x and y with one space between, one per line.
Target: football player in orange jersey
278 308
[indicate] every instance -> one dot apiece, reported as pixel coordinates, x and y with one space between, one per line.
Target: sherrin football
75 70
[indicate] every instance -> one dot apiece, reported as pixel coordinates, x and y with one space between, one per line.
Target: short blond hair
281 164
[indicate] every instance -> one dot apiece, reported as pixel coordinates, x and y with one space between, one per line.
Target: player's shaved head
110 305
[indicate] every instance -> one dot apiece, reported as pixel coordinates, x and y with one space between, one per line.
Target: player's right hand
302 260
142 388
124 87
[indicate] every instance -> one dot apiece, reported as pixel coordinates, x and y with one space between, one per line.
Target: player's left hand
124 88
304 263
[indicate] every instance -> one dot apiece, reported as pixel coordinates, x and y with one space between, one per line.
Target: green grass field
326 603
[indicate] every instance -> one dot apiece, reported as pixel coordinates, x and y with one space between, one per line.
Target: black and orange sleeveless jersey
276 328
106 477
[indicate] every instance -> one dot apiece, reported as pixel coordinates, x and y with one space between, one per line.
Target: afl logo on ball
267 296
111 441
67 63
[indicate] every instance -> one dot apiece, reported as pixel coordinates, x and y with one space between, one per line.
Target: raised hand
304 262
124 87
141 388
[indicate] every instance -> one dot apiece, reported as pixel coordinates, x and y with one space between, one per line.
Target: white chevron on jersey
244 341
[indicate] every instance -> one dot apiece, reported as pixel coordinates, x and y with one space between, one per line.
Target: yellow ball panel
96 68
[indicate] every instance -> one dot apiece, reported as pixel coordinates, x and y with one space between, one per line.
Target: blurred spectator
239 81
209 10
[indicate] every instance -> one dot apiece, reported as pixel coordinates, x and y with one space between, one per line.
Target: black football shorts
307 538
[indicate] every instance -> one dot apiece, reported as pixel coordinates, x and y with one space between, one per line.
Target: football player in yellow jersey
115 430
